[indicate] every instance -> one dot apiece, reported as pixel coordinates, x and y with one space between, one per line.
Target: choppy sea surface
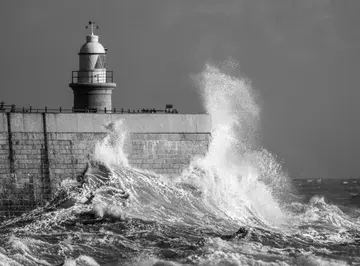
233 206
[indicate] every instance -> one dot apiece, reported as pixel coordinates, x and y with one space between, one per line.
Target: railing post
30 109
60 109
23 109
45 109
122 110
12 108
114 110
105 110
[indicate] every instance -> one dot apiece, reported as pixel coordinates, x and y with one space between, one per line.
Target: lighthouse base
91 96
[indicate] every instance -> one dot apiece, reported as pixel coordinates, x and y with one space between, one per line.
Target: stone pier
38 151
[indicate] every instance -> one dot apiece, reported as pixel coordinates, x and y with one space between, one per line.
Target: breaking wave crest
151 219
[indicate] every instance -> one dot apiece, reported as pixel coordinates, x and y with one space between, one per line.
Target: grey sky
302 58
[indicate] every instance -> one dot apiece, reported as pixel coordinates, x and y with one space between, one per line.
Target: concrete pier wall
38 151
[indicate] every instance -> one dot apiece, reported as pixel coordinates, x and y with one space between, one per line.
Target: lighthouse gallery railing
92 76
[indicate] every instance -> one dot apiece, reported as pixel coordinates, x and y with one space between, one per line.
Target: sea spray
234 170
110 150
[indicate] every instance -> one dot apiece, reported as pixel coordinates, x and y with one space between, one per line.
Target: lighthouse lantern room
92 84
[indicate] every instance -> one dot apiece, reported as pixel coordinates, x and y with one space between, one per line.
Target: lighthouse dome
92 46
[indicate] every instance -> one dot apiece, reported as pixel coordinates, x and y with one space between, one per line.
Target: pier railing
13 109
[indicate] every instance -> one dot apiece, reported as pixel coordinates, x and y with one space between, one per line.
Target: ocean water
233 206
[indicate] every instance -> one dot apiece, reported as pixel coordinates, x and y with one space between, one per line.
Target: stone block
101 122
32 136
4 151
26 122
3 123
4 166
61 123
4 136
4 156
160 123
191 137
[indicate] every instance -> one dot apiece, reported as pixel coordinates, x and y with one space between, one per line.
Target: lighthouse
92 84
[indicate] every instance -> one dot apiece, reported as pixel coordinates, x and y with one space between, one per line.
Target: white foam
235 174
81 260
110 150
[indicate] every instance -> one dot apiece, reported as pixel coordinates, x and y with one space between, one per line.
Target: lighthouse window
100 63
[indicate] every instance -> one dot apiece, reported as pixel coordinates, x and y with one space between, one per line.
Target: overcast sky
301 56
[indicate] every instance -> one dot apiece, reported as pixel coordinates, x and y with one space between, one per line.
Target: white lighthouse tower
92 83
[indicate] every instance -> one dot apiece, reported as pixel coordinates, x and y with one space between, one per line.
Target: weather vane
92 25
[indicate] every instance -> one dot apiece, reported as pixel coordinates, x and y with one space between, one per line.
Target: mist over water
120 215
